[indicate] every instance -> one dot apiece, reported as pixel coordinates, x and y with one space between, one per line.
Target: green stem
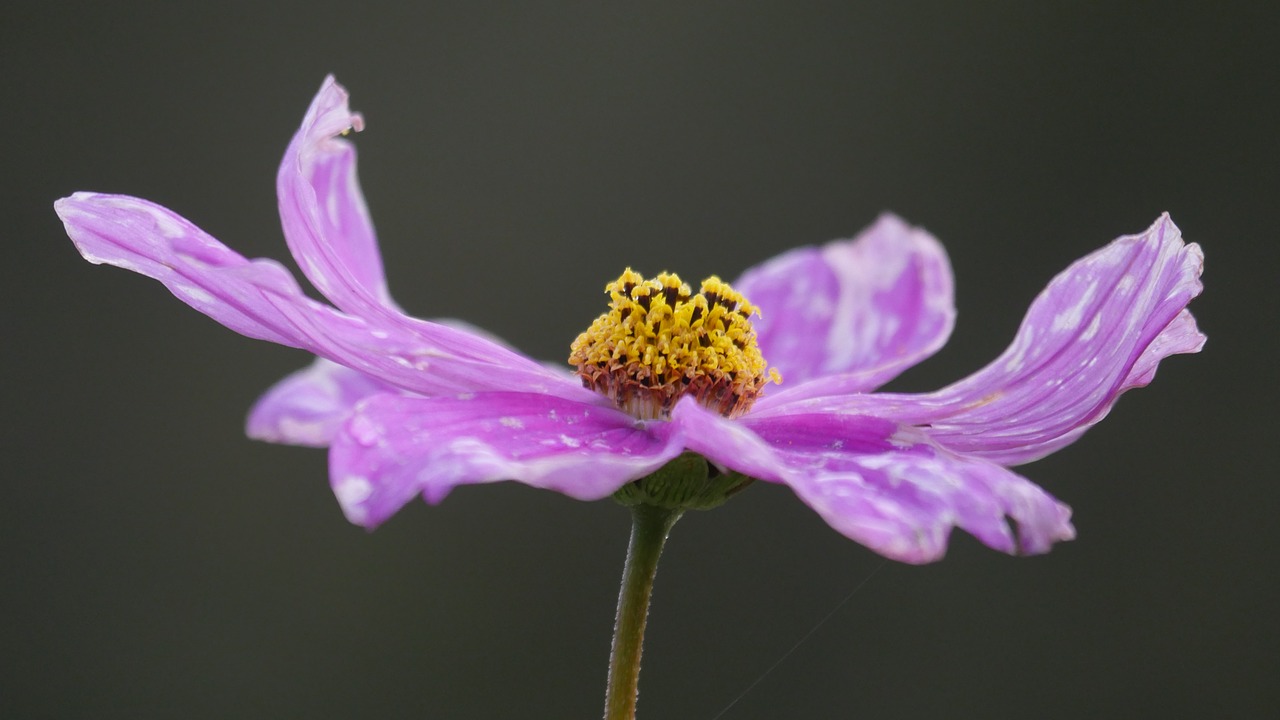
649 527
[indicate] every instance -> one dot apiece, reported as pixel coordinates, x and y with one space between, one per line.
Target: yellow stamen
660 341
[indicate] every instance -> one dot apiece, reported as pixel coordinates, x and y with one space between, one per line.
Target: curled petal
1100 328
322 209
886 486
1179 337
308 406
260 299
869 307
395 447
326 225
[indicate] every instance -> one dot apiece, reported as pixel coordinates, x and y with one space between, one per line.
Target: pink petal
327 227
881 484
903 504
1099 328
260 299
872 306
396 447
323 212
146 238
308 407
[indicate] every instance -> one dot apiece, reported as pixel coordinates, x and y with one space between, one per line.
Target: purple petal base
395 447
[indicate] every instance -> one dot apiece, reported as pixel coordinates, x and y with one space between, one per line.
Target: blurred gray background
156 564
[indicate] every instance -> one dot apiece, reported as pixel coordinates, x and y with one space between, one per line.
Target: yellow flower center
660 341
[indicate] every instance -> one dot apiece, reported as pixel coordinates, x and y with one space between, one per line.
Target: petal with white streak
884 485
1100 328
326 225
869 307
395 448
260 299
322 209
308 406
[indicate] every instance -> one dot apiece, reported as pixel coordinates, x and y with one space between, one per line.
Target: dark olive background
155 563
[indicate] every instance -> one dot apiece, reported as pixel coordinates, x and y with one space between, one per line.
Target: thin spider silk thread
802 640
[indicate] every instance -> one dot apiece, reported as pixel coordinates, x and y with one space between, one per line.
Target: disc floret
660 341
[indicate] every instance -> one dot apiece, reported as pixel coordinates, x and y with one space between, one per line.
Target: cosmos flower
778 387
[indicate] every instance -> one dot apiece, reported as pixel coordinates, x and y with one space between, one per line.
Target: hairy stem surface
649 527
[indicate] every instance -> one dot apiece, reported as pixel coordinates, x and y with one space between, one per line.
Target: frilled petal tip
394 448
881 484
329 114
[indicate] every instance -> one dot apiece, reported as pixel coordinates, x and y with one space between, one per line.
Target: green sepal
686 483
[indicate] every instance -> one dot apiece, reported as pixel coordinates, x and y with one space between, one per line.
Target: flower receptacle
688 482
